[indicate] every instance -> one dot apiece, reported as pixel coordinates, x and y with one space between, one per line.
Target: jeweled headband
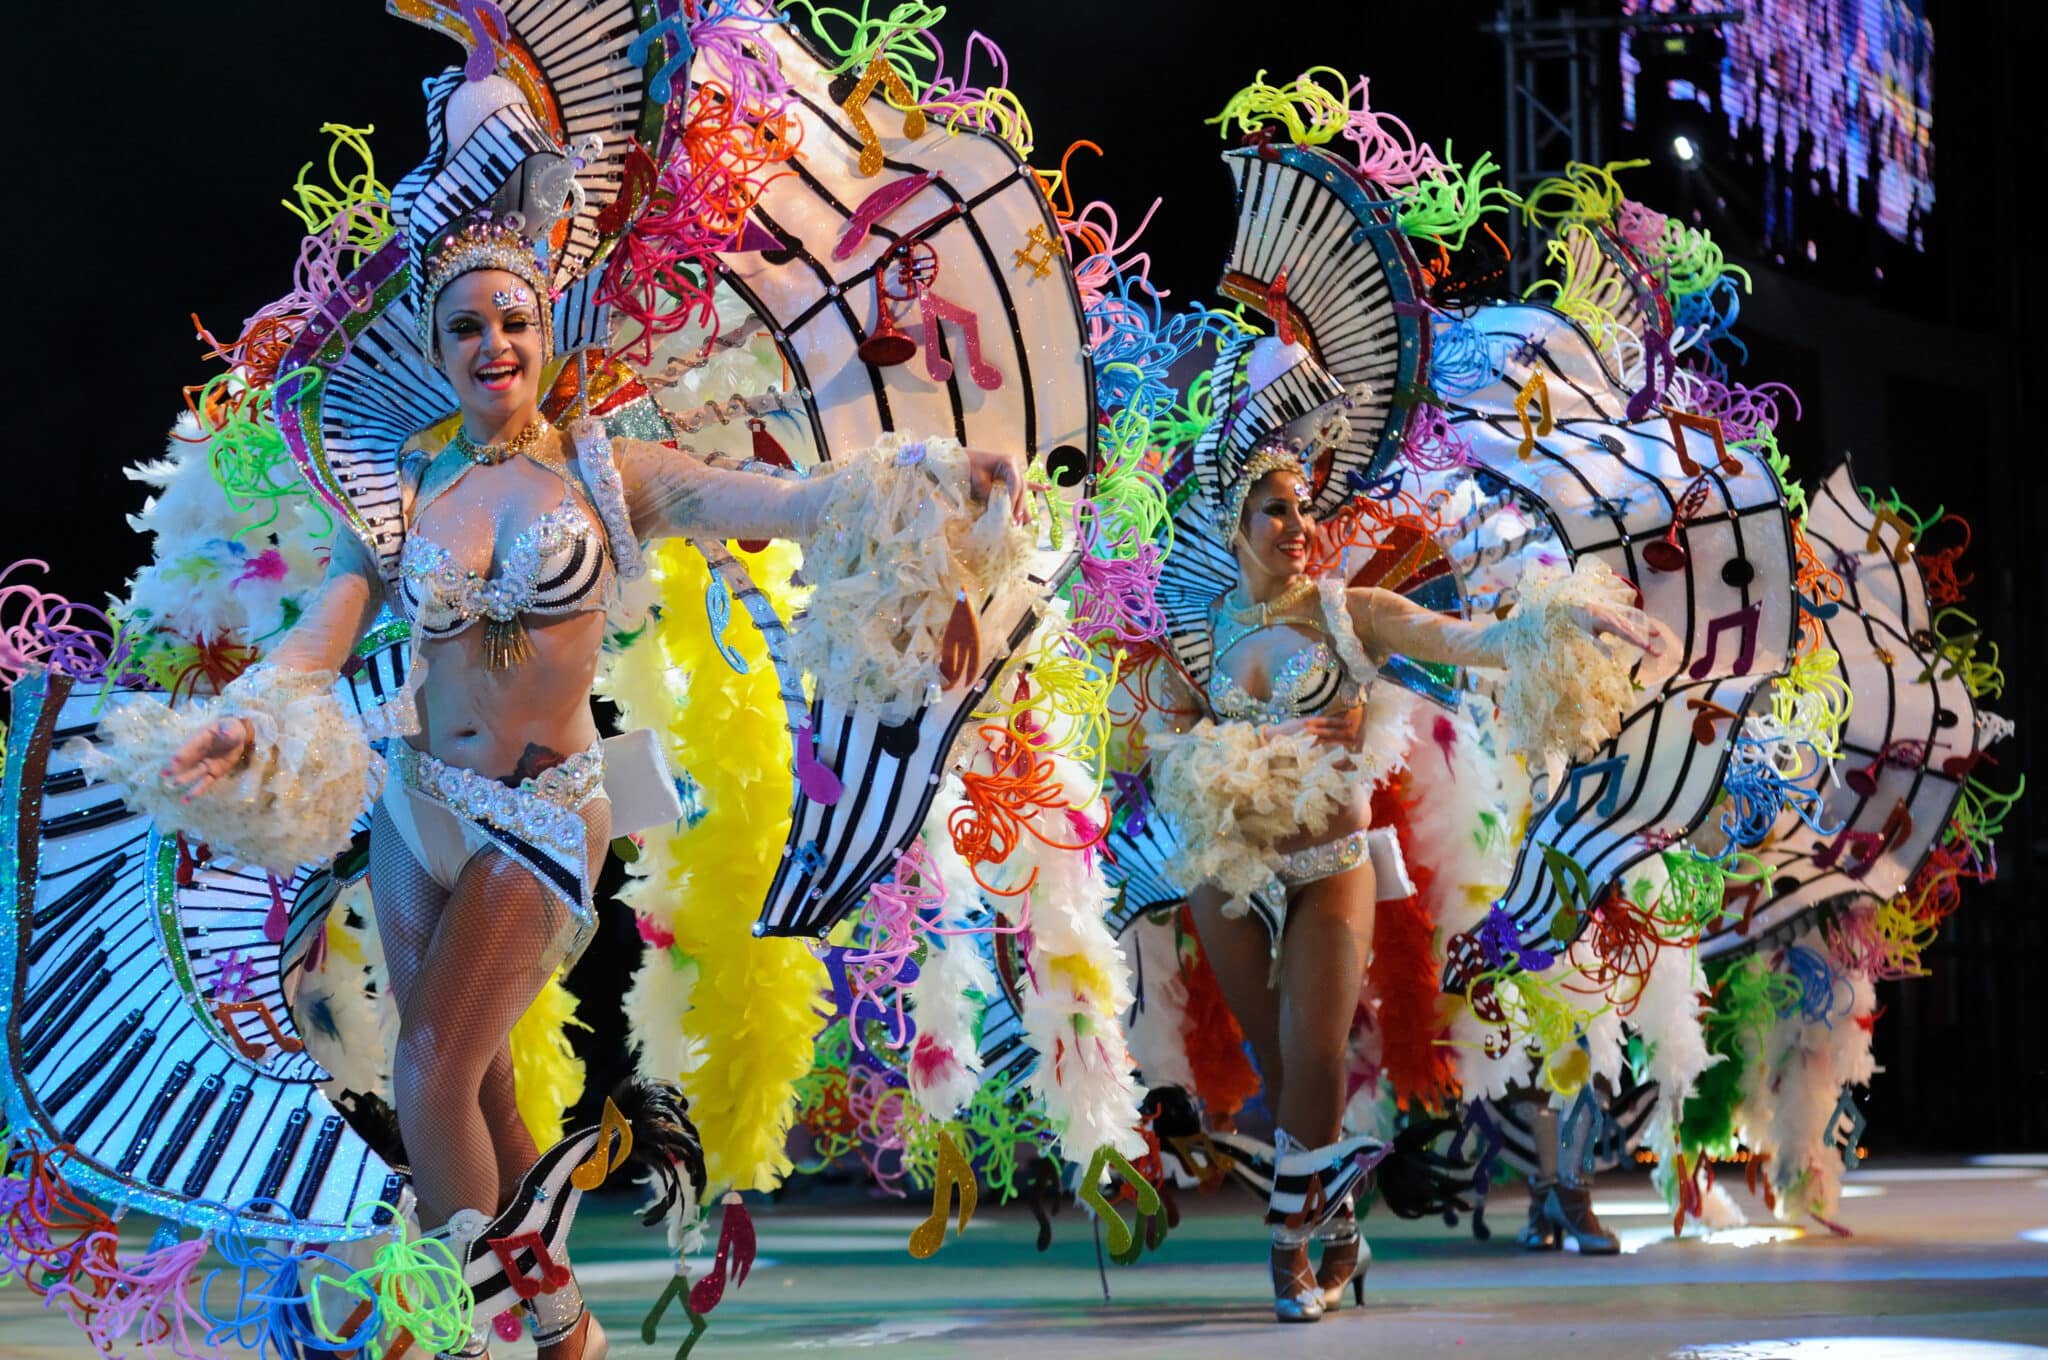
1271 459
483 242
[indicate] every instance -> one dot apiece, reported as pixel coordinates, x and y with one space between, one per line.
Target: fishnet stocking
464 966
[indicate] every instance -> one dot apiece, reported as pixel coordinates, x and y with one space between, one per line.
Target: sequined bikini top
1332 671
557 565
562 563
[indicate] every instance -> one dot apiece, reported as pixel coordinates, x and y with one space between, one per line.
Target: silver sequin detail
542 810
1324 861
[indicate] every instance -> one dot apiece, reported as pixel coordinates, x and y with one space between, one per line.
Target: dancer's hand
213 754
1338 730
985 469
1630 625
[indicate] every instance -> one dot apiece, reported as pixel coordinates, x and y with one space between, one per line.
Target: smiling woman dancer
489 835
1272 790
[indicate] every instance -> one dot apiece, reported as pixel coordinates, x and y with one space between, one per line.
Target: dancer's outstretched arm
672 492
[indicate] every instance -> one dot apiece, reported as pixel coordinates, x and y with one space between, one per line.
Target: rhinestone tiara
482 242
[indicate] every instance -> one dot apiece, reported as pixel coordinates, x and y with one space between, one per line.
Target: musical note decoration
718 612
1038 252
1681 421
734 1260
1536 392
1744 622
677 1291
1121 1238
255 1050
1568 810
951 1175
603 1160
546 1275
880 72
813 776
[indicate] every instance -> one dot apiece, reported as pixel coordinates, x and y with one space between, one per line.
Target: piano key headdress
1283 410
488 196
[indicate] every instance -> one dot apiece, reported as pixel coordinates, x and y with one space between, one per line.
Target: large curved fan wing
146 1025
1908 744
1001 357
1611 490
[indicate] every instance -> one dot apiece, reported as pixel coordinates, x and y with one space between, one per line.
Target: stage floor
1946 1260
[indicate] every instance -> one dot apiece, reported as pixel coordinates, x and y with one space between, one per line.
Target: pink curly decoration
51 631
1388 153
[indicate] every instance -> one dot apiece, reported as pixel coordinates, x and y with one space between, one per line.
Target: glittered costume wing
146 1025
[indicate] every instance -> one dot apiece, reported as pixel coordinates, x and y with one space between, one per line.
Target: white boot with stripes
1312 1189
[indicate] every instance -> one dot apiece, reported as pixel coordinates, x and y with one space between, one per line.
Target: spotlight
1688 154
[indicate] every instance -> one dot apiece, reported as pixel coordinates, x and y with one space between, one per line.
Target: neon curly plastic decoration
1446 205
1308 111
1388 153
71 639
900 37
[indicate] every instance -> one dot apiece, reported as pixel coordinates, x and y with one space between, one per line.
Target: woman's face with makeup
488 323
1278 524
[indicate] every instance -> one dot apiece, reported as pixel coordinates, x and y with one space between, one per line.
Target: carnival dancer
1271 791
493 825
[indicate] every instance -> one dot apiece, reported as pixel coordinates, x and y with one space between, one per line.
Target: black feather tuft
1416 1181
665 1142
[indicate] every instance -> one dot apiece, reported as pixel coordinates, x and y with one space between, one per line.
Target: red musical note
1706 714
1680 422
552 1275
1900 755
735 1257
1277 308
1748 893
226 1011
1959 767
1868 844
1667 554
1897 826
933 309
1745 652
636 181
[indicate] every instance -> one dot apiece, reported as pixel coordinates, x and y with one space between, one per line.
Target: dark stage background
160 144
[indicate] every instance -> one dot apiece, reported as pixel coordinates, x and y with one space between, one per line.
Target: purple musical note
817 780
1868 846
487 31
1655 349
1136 800
1745 652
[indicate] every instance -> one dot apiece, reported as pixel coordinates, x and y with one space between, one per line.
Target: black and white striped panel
579 52
1301 210
1629 1110
1142 867
1608 489
820 309
108 987
1192 578
345 423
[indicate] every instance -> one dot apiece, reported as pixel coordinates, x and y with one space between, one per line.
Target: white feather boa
1077 983
1157 1029
951 987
